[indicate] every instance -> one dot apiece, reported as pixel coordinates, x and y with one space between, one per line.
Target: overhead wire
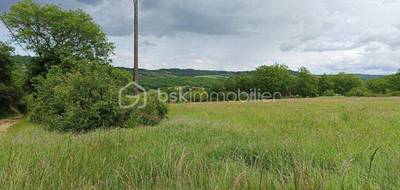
12 34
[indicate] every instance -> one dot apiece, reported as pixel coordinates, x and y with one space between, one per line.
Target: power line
12 33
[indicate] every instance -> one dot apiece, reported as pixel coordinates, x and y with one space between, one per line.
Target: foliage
11 93
153 112
325 84
306 85
359 91
53 34
343 83
6 63
394 82
244 83
87 98
275 78
329 93
378 86
157 81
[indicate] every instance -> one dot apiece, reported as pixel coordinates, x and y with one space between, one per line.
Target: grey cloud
372 47
325 35
149 43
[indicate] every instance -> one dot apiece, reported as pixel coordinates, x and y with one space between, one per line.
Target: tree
275 78
306 85
244 83
394 82
53 34
379 85
343 83
10 94
325 84
5 63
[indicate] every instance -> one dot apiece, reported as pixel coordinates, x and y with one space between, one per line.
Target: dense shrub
153 112
394 82
305 85
329 93
394 93
379 86
11 93
343 83
325 83
87 98
359 91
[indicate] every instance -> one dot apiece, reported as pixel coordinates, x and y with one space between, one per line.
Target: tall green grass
324 143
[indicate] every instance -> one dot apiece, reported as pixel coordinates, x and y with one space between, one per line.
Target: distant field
323 143
155 82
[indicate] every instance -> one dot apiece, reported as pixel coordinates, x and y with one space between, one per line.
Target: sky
326 36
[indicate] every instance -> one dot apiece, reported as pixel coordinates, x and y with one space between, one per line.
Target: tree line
278 78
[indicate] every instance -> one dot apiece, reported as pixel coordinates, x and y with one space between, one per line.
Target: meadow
320 143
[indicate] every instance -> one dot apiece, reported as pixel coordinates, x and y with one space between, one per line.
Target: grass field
323 143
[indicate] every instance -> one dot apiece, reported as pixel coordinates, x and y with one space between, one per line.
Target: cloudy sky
326 36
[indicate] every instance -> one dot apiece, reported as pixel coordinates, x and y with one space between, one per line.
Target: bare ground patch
6 123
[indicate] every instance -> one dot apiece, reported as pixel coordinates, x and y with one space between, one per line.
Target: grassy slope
315 143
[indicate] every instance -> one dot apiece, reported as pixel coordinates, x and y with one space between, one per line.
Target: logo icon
127 101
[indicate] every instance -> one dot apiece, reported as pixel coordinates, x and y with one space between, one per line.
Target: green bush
394 93
344 83
153 112
329 93
359 91
11 92
86 99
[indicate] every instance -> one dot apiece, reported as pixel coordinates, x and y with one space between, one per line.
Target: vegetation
87 98
11 93
332 143
74 87
157 81
306 85
53 34
70 87
275 78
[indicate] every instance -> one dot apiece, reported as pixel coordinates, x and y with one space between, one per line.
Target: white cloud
360 36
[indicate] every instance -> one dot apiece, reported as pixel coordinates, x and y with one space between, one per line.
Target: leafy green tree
343 83
326 84
394 82
306 85
53 34
244 83
379 86
275 78
5 63
10 94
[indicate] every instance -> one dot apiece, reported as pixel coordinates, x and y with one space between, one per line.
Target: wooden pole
136 46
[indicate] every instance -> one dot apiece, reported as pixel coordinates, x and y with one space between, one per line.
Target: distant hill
200 78
187 72
153 79
369 77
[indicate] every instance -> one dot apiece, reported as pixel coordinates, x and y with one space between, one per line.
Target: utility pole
136 45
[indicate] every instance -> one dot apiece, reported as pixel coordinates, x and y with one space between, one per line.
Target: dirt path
6 123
